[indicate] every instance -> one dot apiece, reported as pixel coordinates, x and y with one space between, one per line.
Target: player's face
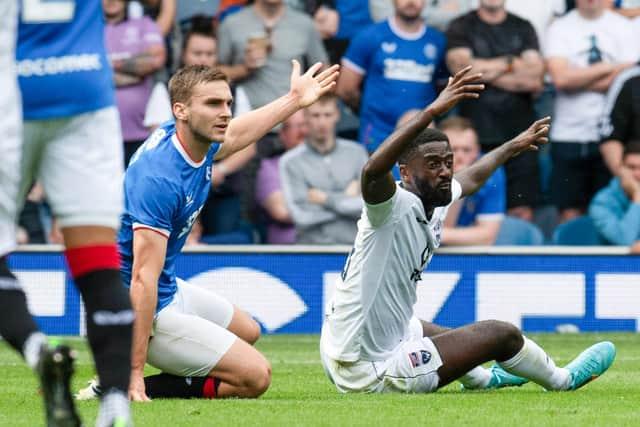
409 9
492 4
632 162
322 118
465 147
294 130
200 50
209 110
113 8
429 172
591 6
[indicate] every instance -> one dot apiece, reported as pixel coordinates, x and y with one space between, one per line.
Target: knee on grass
256 381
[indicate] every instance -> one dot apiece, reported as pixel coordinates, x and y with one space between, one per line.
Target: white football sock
113 404
32 347
532 362
475 379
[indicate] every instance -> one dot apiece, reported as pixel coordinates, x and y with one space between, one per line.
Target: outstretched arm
305 90
377 182
473 177
149 251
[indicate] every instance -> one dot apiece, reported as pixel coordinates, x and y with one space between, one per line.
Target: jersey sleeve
152 35
456 34
554 43
360 52
151 203
621 116
456 190
380 212
530 37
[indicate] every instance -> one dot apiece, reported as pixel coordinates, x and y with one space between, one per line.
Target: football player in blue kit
199 340
72 145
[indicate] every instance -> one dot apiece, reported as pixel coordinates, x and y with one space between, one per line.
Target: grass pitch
300 395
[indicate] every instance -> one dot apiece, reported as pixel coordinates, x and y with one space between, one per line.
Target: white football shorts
10 129
79 162
412 368
190 335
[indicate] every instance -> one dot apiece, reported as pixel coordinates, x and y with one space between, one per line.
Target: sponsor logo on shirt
58 65
407 70
418 358
430 51
388 47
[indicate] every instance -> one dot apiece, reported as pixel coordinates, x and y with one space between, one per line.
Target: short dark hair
186 78
631 147
426 136
199 25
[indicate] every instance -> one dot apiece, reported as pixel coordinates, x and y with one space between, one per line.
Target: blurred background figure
136 50
256 46
621 119
476 219
436 13
585 50
615 210
276 217
389 68
321 179
505 49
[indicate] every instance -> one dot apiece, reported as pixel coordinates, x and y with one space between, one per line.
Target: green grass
300 395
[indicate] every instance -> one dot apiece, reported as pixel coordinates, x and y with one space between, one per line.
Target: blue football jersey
164 191
399 71
490 200
61 59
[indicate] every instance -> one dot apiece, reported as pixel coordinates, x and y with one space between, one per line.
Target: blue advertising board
286 291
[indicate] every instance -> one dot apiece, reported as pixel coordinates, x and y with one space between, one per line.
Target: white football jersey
373 301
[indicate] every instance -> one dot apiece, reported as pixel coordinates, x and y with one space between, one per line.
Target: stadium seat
577 232
514 231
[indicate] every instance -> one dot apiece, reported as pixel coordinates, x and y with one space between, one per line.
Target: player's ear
179 111
405 176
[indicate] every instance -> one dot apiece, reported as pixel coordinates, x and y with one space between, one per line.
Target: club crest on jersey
418 358
430 51
388 47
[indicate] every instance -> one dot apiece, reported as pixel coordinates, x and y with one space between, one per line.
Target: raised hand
461 86
536 134
307 88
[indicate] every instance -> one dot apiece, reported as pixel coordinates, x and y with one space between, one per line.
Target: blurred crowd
576 61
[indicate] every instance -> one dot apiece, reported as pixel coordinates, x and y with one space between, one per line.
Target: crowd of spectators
573 60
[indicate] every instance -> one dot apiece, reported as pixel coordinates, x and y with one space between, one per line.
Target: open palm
460 86
307 88
535 134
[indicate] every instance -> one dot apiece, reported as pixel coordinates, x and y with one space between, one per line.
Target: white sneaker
91 391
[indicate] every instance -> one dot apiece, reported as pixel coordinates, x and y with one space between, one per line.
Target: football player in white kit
371 342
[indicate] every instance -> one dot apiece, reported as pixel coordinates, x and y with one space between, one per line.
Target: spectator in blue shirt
615 209
476 219
389 68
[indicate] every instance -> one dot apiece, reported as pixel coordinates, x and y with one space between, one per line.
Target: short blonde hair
185 79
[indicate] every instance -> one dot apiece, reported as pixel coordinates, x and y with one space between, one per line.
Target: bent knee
258 381
509 334
252 333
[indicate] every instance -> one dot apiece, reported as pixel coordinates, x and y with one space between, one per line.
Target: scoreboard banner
285 290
